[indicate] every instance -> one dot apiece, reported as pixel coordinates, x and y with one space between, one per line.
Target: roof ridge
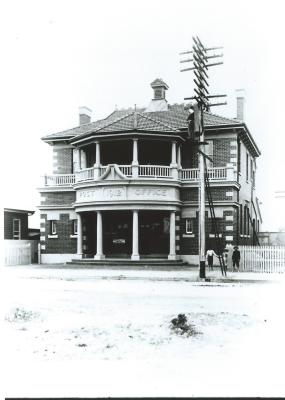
158 122
114 122
220 116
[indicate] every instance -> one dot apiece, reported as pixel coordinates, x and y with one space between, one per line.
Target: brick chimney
240 96
84 115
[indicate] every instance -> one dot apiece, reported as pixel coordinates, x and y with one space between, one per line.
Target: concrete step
128 263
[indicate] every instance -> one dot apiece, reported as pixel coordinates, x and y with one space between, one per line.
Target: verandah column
172 249
135 163
82 159
99 255
79 235
97 162
179 157
173 165
135 253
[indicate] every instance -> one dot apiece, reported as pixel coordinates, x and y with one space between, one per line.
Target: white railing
144 171
189 174
192 174
154 171
126 169
102 169
270 259
85 174
59 180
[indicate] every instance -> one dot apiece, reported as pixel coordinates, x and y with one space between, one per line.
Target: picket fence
18 254
270 259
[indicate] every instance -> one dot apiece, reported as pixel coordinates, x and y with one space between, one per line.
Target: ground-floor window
74 227
189 225
53 227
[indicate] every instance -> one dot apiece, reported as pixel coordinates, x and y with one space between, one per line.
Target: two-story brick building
127 185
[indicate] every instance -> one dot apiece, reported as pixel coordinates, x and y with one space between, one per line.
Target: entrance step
127 263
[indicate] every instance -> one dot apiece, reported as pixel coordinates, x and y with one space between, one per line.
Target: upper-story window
247 160
238 158
209 151
16 229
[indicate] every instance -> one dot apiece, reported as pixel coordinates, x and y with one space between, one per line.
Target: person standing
236 258
226 257
230 255
210 257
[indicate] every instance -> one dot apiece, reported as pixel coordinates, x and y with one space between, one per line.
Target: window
246 166
238 158
209 152
16 229
158 94
53 228
189 226
246 221
251 169
240 221
253 178
75 227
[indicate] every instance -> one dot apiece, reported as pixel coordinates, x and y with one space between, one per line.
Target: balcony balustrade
144 172
215 173
59 180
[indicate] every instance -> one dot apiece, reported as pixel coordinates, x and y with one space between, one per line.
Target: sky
59 55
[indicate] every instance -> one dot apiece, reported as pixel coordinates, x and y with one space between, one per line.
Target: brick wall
62 160
218 194
221 152
62 242
8 224
58 198
227 227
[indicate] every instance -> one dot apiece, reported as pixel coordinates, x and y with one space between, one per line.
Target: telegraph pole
201 56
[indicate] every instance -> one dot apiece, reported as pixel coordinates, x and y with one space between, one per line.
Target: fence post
39 253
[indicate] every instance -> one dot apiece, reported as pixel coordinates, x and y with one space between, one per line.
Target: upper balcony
139 172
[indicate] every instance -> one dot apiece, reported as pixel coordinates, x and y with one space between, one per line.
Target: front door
117 239
154 233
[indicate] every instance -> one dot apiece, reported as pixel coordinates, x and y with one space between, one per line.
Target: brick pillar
172 249
79 235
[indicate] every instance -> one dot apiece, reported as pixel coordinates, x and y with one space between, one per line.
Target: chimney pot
84 115
240 96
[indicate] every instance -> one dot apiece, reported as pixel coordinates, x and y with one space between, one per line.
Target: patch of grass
181 326
21 315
